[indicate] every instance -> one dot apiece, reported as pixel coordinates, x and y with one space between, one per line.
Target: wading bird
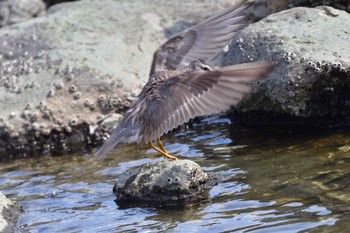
182 86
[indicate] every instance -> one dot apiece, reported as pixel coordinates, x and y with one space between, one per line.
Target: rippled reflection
273 180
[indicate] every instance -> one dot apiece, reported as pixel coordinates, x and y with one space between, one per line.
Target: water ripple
274 183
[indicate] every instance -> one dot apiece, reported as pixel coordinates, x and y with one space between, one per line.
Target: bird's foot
161 151
167 156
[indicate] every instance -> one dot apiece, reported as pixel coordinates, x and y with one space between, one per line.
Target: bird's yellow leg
160 144
165 154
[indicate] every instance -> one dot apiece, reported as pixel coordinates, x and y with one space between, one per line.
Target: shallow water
274 180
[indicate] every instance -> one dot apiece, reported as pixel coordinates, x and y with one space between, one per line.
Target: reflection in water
273 180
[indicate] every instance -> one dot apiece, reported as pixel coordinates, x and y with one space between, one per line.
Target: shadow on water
274 179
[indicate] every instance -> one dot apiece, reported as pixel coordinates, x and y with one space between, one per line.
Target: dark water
274 180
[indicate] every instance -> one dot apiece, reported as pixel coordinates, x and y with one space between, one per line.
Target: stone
164 182
276 6
15 11
312 77
9 213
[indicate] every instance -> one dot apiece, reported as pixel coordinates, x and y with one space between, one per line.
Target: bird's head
198 65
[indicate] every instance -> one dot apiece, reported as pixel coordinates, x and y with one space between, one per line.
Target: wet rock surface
163 182
312 77
8 215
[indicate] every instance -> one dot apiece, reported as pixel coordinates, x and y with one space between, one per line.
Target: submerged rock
312 78
164 182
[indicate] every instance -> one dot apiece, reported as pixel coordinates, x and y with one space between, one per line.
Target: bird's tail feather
116 137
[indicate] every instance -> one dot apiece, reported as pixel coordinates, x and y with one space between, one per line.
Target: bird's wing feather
126 131
202 41
184 97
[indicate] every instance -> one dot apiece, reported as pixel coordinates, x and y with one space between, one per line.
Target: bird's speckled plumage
181 86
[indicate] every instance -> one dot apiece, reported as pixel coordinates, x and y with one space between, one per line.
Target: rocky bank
67 76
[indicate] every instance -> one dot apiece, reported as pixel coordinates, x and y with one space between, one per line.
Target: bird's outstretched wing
202 41
184 97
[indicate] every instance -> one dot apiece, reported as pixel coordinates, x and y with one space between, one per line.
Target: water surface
274 180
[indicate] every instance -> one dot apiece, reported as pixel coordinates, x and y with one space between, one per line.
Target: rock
15 11
65 71
8 215
164 182
312 78
276 6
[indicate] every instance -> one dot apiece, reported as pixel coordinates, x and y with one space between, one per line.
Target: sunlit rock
164 182
312 77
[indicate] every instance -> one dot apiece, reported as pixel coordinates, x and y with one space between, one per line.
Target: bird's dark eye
206 68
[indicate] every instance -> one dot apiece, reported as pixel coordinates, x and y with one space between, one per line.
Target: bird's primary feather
178 99
202 41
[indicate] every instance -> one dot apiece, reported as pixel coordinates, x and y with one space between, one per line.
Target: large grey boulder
164 182
312 77
65 77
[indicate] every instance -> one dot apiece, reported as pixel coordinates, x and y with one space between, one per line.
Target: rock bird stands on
181 86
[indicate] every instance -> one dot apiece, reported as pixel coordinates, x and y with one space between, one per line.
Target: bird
182 86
